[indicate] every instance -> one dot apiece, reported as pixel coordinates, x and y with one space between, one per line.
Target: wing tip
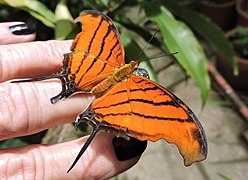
88 11
198 157
188 163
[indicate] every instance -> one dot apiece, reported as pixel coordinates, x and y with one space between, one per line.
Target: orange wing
143 109
96 51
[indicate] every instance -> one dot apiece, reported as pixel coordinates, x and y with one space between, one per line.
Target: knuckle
13 108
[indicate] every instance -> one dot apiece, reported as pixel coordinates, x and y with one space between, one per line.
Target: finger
128 149
52 161
25 108
32 59
16 32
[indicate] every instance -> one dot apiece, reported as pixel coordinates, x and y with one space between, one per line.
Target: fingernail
125 150
23 29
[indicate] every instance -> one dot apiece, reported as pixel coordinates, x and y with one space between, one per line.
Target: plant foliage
239 40
177 36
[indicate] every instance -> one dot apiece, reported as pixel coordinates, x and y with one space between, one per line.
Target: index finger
16 32
32 59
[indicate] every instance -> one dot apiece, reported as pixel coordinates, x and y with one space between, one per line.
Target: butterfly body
120 74
126 103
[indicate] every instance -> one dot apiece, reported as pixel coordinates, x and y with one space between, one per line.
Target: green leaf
15 142
35 8
223 176
64 21
41 18
179 38
122 21
105 2
204 26
132 49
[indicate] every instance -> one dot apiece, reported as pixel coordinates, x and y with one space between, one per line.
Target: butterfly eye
141 72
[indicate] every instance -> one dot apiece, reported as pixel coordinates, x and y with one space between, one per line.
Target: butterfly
127 103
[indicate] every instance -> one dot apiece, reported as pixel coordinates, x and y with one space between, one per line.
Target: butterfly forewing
86 70
96 51
99 37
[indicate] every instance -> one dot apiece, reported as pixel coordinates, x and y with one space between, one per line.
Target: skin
25 109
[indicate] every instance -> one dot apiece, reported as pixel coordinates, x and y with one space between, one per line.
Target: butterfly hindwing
147 111
95 54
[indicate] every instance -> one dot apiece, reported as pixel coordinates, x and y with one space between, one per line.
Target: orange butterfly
126 102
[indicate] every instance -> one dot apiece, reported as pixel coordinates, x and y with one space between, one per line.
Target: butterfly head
134 64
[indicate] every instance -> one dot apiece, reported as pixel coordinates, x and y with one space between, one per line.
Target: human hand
25 109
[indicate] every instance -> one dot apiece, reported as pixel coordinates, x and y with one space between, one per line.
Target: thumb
16 32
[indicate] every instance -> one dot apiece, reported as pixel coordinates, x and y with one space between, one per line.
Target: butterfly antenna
158 56
85 146
142 50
